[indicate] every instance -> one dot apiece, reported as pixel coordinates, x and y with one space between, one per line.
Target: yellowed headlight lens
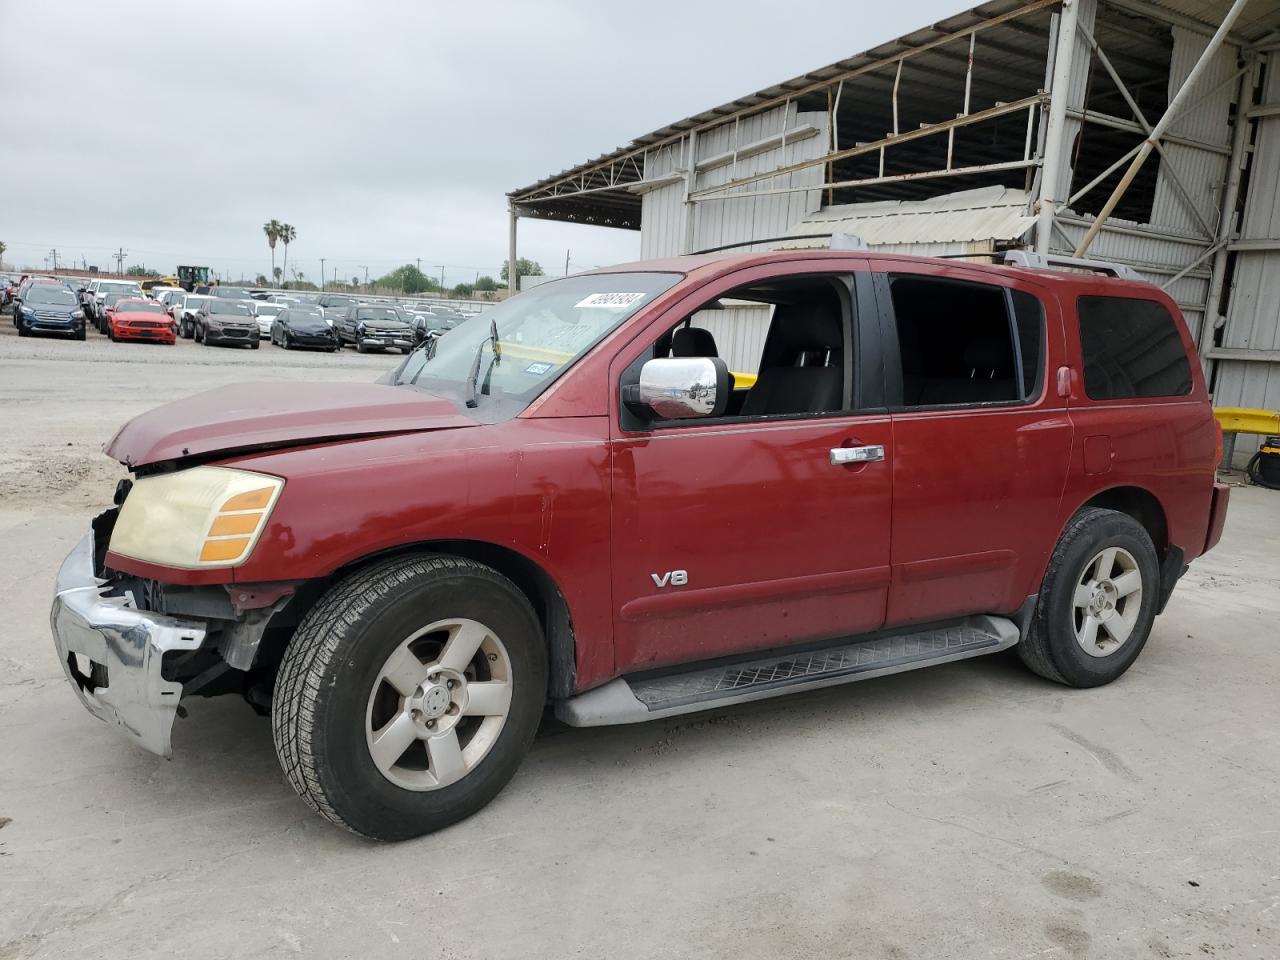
202 517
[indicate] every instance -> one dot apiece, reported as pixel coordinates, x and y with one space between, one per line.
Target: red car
571 500
139 319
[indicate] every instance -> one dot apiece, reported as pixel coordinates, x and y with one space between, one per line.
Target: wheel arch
541 589
1139 503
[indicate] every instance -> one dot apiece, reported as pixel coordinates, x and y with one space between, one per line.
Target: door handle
867 454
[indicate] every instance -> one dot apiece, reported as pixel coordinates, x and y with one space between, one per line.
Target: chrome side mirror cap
681 388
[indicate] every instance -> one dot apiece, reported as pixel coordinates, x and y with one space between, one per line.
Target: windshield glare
54 296
540 333
229 306
118 287
377 313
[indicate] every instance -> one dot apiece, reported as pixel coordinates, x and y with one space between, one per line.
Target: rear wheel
409 695
1097 602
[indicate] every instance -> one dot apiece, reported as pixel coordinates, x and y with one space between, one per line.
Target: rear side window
966 343
1131 349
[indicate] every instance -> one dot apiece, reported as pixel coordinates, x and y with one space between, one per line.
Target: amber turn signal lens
236 523
252 500
216 550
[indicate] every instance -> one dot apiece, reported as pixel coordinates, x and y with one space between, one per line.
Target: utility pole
419 264
441 266
53 255
322 274
120 254
566 263
366 277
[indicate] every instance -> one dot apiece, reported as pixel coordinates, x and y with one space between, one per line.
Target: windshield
142 307
109 287
295 314
49 294
194 302
378 313
267 309
540 333
229 306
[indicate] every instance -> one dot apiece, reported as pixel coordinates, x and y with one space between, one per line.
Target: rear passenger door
981 438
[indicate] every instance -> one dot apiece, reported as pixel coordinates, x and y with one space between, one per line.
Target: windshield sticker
539 368
609 301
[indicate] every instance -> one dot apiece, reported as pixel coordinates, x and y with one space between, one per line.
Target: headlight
77 315
201 517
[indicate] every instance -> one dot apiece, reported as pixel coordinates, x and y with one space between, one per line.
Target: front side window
966 343
539 334
1131 349
783 341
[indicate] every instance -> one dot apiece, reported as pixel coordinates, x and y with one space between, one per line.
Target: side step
649 697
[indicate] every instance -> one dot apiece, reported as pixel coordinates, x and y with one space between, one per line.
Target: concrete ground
970 810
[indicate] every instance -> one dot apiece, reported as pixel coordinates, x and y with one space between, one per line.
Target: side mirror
681 388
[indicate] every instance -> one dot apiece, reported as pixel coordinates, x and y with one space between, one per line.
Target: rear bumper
1217 515
121 683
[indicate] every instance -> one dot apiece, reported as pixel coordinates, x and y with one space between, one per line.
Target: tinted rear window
1131 348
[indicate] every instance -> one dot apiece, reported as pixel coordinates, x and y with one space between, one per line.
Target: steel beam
1051 172
512 277
1170 114
1227 214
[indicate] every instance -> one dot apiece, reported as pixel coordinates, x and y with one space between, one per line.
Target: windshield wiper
472 399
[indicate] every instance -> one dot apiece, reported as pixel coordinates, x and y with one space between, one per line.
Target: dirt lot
965 811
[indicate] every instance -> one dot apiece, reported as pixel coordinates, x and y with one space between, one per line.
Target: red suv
574 499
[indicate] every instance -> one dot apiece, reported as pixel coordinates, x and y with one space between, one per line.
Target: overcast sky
383 131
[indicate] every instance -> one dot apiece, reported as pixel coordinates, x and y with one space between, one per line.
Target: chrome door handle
868 454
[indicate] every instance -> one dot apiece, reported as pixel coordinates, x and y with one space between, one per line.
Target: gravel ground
964 811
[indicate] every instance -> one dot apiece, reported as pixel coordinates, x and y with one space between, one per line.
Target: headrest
806 326
693 342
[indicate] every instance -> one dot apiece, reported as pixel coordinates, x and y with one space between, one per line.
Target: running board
639 698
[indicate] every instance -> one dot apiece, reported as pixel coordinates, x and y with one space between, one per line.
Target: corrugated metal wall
663 230
1253 311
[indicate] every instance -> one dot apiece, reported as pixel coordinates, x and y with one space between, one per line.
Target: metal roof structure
987 213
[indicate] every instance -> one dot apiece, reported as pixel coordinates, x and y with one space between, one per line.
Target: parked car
303 327
265 313
24 287
105 307
334 305
49 308
184 310
95 303
158 292
135 318
429 324
223 321
572 499
374 328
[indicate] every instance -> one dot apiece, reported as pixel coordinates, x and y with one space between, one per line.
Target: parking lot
968 810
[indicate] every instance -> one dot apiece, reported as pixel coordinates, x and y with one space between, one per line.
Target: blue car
50 308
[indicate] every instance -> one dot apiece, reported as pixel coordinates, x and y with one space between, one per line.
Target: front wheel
409 695
1097 602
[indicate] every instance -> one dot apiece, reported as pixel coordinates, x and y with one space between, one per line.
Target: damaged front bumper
112 653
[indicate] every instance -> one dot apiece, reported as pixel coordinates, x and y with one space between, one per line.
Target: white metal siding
1253 312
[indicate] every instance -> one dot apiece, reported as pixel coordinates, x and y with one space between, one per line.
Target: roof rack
1040 261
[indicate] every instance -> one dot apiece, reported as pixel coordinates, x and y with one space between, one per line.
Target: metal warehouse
1144 132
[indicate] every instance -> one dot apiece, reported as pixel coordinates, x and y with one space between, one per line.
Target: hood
396 325
255 416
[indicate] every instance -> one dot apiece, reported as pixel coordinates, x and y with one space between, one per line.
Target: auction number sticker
538 368
609 301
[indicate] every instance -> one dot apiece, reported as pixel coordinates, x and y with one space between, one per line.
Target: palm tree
287 236
272 229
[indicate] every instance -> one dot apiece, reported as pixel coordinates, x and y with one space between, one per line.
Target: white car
184 312
157 293
266 314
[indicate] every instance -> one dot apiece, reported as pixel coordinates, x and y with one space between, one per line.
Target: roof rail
1040 261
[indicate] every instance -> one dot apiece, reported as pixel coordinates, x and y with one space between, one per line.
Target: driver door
747 533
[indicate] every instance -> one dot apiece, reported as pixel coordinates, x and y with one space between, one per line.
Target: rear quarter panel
1164 445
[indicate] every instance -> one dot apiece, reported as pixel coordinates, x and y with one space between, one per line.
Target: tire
1058 636
330 695
23 331
80 334
255 345
360 347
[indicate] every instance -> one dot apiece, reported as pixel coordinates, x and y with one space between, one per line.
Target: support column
1227 216
513 282
1051 173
